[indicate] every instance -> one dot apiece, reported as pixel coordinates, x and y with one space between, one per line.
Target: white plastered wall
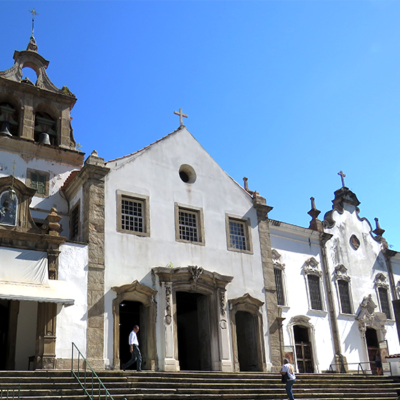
362 266
72 320
296 245
155 173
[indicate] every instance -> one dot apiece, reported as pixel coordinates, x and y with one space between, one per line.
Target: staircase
59 385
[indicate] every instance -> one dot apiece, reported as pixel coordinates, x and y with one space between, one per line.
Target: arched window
382 288
343 289
8 208
313 277
279 272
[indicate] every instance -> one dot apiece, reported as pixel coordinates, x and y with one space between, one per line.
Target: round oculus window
187 174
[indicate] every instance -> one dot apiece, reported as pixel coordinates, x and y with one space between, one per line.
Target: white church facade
165 239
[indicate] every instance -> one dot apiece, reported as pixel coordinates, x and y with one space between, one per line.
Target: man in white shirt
288 369
135 351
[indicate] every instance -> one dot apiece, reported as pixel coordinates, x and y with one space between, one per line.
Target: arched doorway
3 333
129 316
371 338
193 322
304 353
302 337
134 305
247 334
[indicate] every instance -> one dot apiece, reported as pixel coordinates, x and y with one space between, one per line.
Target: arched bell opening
9 117
30 71
46 125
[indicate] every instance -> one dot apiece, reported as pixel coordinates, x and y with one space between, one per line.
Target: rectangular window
344 296
237 235
39 181
132 215
188 226
383 296
315 292
279 286
75 222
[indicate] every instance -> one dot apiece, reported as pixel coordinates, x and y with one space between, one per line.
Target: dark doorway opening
193 322
373 347
303 349
129 315
246 333
4 321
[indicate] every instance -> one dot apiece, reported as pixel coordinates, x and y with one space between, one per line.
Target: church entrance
372 346
193 321
129 312
303 349
4 311
246 333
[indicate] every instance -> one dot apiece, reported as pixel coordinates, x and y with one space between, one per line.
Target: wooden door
304 357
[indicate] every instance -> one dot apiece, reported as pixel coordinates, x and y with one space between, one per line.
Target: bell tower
35 115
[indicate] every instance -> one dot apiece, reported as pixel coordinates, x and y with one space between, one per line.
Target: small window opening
187 174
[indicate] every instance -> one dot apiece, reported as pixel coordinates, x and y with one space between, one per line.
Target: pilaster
274 320
92 175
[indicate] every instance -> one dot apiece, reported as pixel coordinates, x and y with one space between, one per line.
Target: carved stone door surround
196 280
135 291
253 306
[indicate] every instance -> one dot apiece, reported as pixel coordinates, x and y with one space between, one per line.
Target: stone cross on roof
180 115
342 175
34 13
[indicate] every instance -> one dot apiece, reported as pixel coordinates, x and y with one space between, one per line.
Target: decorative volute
30 58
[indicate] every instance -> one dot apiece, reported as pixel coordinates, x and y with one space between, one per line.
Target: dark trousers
289 391
135 356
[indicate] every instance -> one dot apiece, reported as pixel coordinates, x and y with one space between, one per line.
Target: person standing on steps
135 351
288 370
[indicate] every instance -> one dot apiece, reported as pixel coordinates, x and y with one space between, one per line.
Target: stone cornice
37 92
24 240
300 232
30 150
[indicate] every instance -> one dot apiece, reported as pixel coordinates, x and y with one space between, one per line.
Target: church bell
4 130
44 138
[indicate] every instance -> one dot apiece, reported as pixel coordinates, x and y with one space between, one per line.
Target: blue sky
287 93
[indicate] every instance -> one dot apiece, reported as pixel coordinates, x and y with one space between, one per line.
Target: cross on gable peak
342 175
181 115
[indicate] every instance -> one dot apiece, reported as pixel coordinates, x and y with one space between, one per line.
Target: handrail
95 387
7 390
359 366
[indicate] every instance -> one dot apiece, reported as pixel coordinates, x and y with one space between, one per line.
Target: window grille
237 231
279 287
383 296
38 182
75 222
344 296
188 226
132 215
315 292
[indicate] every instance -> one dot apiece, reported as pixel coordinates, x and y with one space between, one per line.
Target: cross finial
342 175
34 13
180 115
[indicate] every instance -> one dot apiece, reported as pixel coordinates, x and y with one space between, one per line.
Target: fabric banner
23 266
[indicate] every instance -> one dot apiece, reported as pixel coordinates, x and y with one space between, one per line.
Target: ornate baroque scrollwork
380 281
222 301
196 272
311 267
341 273
168 293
